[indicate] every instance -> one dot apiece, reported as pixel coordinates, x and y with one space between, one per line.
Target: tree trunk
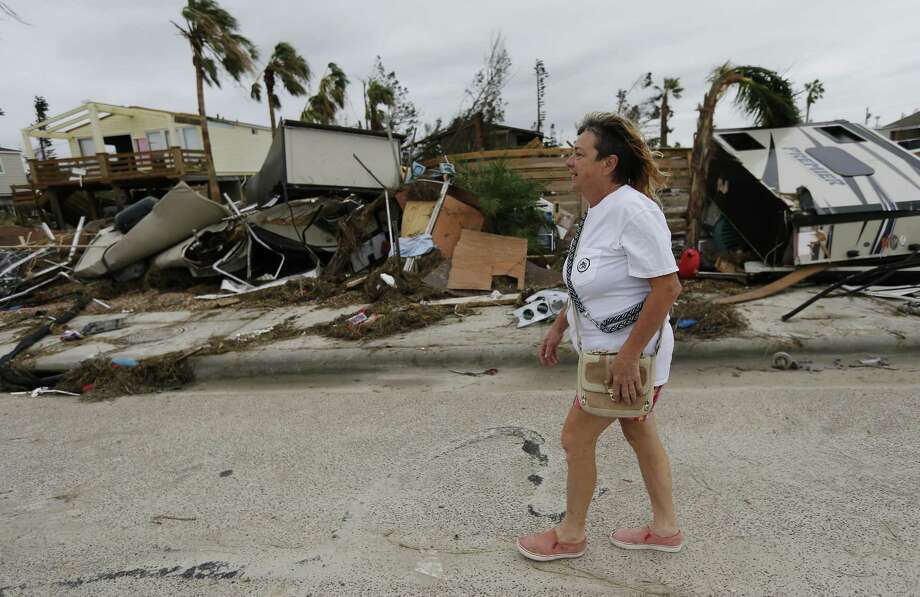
663 135
700 158
213 189
270 92
807 112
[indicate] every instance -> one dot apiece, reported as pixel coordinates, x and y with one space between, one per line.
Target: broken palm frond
168 372
698 286
712 320
409 286
352 233
383 320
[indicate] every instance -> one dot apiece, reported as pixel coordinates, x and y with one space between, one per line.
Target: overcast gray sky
127 52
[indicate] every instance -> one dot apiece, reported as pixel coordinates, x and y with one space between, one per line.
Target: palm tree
672 88
294 72
329 98
815 91
377 94
213 34
762 94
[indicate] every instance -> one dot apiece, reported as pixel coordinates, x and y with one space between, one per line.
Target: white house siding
12 172
239 150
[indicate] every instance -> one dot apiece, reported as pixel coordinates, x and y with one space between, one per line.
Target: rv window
841 135
742 141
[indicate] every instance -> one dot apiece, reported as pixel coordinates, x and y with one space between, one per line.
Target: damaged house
816 193
121 152
12 175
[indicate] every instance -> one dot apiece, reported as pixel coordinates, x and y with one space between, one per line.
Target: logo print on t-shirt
583 265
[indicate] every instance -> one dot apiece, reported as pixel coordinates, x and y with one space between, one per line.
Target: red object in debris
689 264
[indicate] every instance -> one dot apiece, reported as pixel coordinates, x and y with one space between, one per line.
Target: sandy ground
787 483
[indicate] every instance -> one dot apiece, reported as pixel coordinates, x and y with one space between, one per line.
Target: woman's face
589 175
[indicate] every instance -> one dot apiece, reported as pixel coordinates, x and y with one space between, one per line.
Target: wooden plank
454 218
773 287
481 301
480 256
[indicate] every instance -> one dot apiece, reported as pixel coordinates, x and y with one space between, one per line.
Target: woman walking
620 272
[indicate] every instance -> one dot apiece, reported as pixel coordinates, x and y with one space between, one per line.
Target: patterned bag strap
614 323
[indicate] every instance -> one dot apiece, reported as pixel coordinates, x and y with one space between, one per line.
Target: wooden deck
173 163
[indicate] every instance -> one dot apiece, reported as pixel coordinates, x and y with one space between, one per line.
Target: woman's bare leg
579 440
656 472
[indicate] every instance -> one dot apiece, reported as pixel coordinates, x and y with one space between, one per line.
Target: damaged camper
817 193
305 160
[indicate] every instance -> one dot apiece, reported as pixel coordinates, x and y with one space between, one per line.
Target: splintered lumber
478 301
773 287
479 256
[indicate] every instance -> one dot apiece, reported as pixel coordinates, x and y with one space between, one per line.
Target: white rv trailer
817 193
307 159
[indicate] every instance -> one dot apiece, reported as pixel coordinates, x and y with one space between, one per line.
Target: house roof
188 115
906 122
8 150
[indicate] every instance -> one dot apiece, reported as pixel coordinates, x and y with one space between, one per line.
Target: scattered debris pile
103 379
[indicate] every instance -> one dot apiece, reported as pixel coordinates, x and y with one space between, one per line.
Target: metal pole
394 240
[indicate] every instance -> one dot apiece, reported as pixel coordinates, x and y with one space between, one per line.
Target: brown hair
618 136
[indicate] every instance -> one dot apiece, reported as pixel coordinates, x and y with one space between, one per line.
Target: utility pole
540 69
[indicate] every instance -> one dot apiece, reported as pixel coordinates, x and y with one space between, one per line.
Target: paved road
788 483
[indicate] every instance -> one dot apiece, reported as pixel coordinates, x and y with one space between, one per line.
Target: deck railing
109 168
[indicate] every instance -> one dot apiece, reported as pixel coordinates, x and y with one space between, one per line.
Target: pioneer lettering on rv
816 168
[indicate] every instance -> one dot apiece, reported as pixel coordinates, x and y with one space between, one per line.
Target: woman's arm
623 376
547 351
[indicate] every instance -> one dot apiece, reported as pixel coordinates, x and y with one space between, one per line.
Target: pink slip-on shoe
545 547
644 538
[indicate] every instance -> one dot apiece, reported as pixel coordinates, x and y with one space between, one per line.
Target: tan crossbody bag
595 396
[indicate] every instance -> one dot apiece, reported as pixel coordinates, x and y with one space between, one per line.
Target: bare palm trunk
701 156
663 136
807 112
270 91
213 189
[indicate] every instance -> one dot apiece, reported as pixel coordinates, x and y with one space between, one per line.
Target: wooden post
27 146
54 199
93 204
105 172
119 195
179 162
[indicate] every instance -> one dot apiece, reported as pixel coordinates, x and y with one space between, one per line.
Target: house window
742 141
158 140
841 134
87 147
1 167
191 137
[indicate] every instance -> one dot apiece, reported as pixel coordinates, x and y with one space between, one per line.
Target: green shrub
507 200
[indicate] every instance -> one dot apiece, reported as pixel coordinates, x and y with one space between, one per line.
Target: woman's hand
624 379
547 352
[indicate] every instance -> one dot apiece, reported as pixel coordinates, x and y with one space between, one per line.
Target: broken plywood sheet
455 216
480 256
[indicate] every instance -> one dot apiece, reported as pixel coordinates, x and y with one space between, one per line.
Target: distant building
474 134
904 132
11 173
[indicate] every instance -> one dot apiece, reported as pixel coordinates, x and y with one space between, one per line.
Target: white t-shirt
625 241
